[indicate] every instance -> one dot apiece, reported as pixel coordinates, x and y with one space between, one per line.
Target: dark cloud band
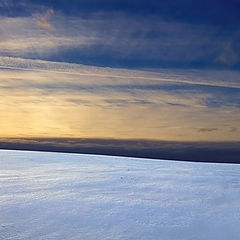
225 152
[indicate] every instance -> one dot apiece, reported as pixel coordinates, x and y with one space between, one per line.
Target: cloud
115 39
228 55
71 100
43 21
192 77
33 39
223 152
126 102
233 129
207 129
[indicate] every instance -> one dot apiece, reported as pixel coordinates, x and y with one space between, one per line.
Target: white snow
56 196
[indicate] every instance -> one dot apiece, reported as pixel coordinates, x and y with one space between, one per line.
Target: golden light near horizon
108 103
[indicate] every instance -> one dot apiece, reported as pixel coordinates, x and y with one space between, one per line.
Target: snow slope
56 196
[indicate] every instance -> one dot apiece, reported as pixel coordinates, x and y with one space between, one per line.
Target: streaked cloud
228 79
70 100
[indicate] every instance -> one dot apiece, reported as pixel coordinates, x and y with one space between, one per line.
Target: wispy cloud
36 38
228 55
71 100
43 21
228 79
116 38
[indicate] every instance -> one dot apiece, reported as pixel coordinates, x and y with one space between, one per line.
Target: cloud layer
115 35
70 100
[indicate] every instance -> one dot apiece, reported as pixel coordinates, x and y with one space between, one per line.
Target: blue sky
128 34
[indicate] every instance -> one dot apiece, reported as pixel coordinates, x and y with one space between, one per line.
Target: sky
149 70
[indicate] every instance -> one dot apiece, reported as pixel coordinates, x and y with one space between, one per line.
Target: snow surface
66 196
